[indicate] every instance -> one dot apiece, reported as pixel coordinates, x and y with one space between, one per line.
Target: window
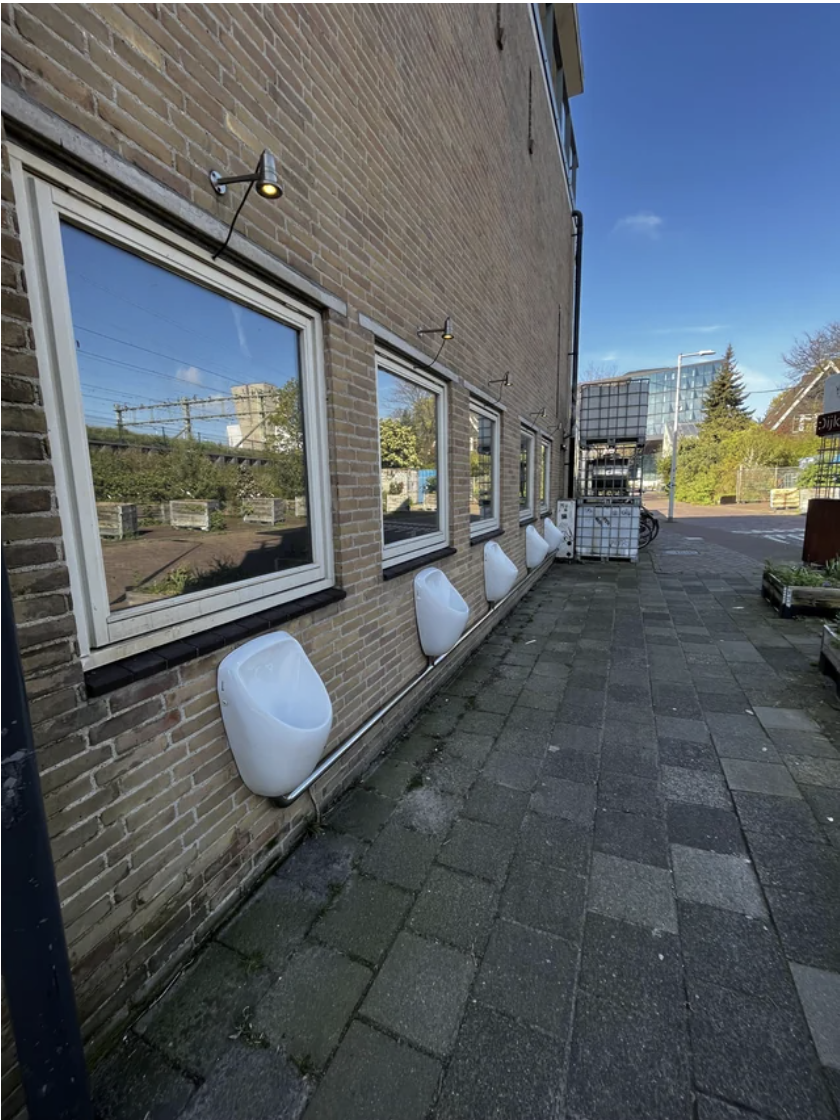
545 475
484 469
185 403
412 456
526 475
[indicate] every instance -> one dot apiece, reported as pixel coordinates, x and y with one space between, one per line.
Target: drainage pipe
342 749
577 217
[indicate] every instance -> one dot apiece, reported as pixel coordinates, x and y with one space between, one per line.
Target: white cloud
191 374
711 328
611 357
644 223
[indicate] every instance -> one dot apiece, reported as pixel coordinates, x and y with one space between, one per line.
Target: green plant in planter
800 575
218 524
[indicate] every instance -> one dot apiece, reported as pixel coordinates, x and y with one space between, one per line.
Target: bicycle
648 527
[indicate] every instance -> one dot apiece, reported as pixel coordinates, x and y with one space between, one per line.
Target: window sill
530 519
141 665
417 562
480 538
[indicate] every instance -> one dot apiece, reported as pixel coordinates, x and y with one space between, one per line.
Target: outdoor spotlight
540 414
505 381
446 332
265 178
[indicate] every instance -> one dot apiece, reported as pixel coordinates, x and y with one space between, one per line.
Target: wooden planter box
117 520
191 515
300 507
790 601
266 511
393 502
830 654
154 511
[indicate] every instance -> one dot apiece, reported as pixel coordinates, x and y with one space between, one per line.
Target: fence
753 484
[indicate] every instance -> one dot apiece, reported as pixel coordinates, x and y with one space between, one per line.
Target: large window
185 406
526 474
545 475
412 453
484 469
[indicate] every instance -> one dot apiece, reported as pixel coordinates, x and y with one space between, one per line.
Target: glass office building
694 382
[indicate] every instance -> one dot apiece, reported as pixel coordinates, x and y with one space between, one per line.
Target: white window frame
528 513
44 196
545 457
489 524
403 551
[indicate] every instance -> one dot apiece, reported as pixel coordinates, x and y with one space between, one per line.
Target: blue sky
709 142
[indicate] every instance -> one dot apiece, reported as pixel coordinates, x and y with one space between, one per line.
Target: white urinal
536 548
556 539
441 612
277 713
499 572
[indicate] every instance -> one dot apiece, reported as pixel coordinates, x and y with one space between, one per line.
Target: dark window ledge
146 664
528 521
486 536
417 562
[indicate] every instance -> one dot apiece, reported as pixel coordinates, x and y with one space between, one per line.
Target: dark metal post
36 970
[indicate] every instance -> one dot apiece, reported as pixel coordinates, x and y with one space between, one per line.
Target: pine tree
723 406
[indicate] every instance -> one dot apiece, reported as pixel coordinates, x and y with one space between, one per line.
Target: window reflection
525 450
195 428
482 503
408 442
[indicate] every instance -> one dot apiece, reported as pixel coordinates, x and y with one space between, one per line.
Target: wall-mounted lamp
540 414
264 178
505 383
445 332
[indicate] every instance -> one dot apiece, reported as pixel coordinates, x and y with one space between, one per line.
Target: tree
398 445
812 350
723 406
599 371
284 436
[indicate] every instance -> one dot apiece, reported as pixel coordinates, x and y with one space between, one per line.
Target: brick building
428 162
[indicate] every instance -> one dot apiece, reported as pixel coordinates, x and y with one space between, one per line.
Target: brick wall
402 134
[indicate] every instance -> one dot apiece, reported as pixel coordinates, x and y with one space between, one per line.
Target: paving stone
809 868
455 908
489 700
322 863
420 993
631 836
729 729
374 1077
272 923
545 897
724 881
825 805
575 736
755 1053
630 963
557 797
501 1069
192 1023
815 771
786 719
512 771
556 841
414 748
478 848
782 816
646 1075
802 743
525 742
636 714
479 723
543 697
472 748
135 1083
364 919
699 826
740 652
710 1109
361 813
759 777
632 892
571 764
691 756
306 1011
583 713
732 701
808 926
630 759
733 950
250 1083
686 730
496 804
401 856
450 775
819 992
390 778
529 975
427 810
528 718
626 793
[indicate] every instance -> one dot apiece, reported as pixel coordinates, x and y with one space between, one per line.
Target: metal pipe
342 749
36 971
577 216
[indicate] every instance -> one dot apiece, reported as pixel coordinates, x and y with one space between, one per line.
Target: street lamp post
674 434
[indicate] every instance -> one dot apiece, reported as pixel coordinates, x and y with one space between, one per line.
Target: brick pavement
598 879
